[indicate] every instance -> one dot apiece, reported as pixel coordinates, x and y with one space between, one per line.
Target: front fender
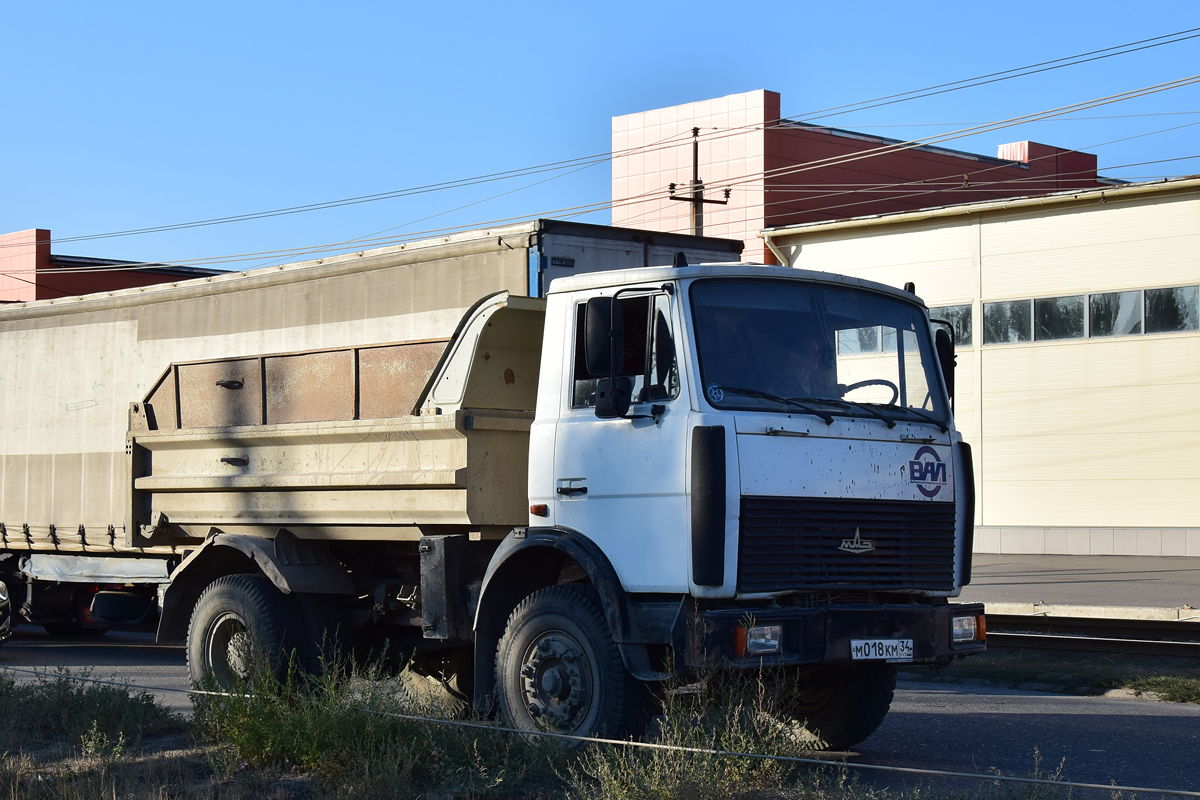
573 545
531 558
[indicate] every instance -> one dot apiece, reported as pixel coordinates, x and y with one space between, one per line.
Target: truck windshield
781 345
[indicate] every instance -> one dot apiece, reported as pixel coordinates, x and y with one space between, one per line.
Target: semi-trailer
547 493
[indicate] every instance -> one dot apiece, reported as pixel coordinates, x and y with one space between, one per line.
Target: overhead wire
576 211
1093 55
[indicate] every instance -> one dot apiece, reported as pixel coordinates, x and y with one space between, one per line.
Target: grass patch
736 712
318 740
1171 688
336 729
60 708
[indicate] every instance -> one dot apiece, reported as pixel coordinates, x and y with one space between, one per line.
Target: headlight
3 592
968 629
759 640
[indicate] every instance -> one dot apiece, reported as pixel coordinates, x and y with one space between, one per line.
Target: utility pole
696 197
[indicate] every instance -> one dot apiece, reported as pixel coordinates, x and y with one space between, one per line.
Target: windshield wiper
925 415
788 401
891 423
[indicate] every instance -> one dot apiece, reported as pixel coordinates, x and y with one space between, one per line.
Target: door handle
571 491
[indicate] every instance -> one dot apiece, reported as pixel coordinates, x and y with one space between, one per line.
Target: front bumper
822 635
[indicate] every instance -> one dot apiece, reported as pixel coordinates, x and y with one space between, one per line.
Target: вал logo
857 544
927 471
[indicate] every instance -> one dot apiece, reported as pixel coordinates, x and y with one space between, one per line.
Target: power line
1108 52
1018 72
575 211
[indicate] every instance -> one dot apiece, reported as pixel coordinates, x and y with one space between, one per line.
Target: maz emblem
857 544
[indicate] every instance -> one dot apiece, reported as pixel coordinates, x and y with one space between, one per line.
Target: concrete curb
1180 613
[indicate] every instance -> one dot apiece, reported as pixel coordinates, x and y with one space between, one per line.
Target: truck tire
238 625
839 705
558 669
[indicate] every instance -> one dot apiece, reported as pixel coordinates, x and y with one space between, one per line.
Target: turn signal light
540 510
759 640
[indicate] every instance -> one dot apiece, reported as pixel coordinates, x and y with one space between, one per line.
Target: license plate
881 649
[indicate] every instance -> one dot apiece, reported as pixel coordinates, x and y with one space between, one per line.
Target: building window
1115 314
858 340
1058 318
959 318
1007 322
1170 310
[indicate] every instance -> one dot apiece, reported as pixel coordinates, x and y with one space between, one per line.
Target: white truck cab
768 454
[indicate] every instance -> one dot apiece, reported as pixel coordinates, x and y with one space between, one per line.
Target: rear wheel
839 705
558 669
239 625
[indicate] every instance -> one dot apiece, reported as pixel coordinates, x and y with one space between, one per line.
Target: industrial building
30 271
1078 330
783 172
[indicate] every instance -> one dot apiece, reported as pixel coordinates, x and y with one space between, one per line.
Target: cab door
621 482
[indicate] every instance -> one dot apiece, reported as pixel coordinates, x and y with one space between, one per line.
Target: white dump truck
545 501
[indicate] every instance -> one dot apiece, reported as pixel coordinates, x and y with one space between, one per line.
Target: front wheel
558 669
839 705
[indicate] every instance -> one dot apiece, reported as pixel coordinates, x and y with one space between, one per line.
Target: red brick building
30 271
781 172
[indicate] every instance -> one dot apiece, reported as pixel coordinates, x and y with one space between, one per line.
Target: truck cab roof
600 280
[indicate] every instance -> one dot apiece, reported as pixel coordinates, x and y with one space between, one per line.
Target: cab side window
649 350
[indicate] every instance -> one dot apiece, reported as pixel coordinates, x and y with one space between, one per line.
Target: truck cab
767 457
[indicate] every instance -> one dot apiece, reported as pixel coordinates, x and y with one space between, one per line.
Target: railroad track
1097 635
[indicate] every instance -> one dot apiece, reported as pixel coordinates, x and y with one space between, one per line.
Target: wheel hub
228 648
555 679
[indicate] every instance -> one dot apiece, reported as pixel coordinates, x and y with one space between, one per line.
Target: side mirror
613 397
944 345
604 336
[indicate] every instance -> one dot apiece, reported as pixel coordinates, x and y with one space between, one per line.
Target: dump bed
367 443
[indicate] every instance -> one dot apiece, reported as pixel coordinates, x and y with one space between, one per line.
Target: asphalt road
939 726
1132 741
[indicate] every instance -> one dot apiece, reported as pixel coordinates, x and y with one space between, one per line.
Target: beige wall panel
104 479
1124 245
66 487
939 260
1093 433
12 501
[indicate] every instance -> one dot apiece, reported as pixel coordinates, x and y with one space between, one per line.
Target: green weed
57 708
337 729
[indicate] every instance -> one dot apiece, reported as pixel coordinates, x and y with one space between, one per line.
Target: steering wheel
874 382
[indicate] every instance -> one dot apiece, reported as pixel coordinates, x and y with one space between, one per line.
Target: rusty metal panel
236 400
310 387
390 379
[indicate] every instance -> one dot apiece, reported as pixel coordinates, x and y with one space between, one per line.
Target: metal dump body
284 441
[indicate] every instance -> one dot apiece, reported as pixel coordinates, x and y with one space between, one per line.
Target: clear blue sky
128 115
